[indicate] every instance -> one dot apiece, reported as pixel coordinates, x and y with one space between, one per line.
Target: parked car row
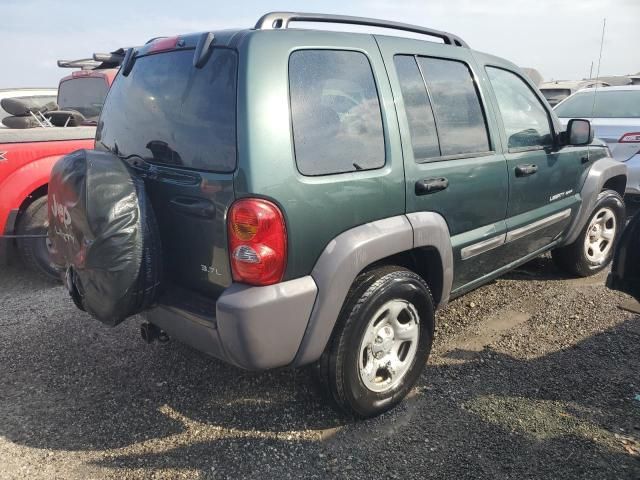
614 113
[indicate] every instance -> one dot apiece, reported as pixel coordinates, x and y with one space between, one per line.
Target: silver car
615 117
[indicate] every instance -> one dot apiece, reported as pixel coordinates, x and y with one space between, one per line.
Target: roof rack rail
281 20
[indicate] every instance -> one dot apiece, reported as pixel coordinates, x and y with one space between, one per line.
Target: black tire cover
104 235
21 106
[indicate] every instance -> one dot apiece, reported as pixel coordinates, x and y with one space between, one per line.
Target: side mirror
579 132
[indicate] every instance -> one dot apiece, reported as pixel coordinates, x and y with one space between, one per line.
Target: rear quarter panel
316 208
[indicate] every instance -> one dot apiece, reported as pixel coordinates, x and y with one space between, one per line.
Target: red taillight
162 44
631 137
257 241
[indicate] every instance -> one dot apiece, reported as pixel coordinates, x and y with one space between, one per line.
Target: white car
615 118
47 94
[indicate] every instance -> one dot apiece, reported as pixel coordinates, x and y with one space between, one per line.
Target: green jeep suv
278 197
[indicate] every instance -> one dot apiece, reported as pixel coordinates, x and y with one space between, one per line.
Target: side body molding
345 257
601 171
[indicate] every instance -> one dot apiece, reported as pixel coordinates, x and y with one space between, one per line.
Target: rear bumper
9 229
633 175
256 328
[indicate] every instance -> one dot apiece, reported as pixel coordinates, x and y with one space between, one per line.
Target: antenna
595 91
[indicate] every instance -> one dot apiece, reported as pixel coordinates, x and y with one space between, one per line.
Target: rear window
337 123
608 104
167 111
84 95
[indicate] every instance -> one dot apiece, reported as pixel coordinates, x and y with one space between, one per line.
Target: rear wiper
357 167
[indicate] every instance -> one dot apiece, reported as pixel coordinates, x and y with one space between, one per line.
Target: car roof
608 89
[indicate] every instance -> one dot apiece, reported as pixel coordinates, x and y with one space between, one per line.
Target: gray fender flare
601 171
351 252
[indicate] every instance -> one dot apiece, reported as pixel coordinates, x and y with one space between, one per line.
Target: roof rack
83 63
281 20
98 62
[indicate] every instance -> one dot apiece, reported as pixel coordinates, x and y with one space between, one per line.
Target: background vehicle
625 271
306 196
615 117
27 155
46 94
84 90
557 91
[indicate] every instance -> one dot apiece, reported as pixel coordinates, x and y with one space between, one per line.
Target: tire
593 250
34 251
352 368
104 233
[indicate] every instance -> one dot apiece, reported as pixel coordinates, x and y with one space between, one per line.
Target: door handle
526 170
197 207
431 185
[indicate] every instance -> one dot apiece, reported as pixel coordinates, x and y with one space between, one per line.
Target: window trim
481 103
552 129
380 108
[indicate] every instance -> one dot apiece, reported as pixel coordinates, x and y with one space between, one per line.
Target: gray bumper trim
255 328
262 327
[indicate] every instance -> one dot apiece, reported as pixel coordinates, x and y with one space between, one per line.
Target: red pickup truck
27 156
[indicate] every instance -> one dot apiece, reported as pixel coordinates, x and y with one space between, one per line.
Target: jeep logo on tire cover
61 212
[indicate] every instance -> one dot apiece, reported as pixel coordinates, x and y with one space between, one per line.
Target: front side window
336 116
459 117
526 121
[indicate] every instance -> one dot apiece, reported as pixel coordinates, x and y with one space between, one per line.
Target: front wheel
592 251
380 343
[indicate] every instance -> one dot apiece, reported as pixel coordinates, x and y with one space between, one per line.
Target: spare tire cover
103 232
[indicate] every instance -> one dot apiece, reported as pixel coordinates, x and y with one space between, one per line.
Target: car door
543 178
451 164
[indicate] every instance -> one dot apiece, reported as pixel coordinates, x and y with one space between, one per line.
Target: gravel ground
532 376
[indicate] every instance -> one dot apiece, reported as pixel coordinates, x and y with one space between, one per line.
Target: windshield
84 95
609 104
167 111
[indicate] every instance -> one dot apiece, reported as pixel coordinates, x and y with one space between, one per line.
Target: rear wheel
35 251
592 251
381 342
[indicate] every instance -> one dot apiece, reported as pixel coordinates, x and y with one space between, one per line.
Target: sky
560 38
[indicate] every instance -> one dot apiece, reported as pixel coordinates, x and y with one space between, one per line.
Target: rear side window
422 125
336 117
169 112
526 121
459 116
